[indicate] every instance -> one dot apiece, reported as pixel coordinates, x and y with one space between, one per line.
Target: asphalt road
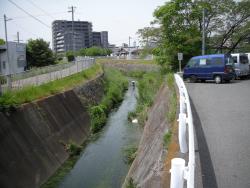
224 114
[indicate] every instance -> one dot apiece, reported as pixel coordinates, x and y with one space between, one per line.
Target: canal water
102 164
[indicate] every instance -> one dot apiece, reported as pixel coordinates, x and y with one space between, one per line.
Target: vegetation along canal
102 163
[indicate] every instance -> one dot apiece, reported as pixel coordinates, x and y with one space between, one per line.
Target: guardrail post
182 133
177 173
182 105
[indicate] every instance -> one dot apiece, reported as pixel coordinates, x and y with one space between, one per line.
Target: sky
121 18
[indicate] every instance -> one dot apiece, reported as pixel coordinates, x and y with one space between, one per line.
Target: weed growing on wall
167 138
73 149
131 183
130 153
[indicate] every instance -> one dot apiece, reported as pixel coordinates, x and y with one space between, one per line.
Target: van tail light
227 70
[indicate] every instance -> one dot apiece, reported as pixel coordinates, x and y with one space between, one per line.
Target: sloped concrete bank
147 170
32 137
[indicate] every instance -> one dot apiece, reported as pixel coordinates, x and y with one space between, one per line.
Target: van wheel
217 79
192 79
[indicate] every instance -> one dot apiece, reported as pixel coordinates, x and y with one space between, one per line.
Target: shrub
98 118
70 56
73 149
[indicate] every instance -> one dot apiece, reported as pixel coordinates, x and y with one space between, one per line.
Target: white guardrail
180 172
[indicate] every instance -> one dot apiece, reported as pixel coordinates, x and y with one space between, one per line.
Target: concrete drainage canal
102 163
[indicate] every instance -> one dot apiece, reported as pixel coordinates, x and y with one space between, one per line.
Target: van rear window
243 59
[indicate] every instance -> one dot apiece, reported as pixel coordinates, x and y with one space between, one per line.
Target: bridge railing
179 172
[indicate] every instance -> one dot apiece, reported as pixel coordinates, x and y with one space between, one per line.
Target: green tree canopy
2 41
94 51
70 56
227 25
39 54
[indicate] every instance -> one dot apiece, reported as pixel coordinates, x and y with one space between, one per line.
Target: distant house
17 58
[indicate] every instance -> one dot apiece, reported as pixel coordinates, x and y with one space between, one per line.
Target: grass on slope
31 93
137 61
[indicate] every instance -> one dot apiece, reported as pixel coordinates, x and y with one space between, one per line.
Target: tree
180 32
2 41
149 35
39 54
227 26
96 51
70 56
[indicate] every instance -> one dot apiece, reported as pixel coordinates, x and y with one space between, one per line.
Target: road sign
180 56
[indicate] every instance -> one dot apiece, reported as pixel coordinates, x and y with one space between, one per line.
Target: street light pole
7 52
72 9
203 31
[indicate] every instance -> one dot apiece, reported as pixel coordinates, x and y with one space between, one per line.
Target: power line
27 31
40 9
29 14
38 15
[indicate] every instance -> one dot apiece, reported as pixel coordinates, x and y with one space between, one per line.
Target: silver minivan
241 64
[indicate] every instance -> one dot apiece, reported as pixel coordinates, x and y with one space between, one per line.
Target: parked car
217 67
241 64
248 55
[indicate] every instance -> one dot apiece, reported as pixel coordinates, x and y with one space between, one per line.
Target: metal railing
46 74
180 172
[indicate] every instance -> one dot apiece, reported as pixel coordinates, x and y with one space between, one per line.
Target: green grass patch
31 93
137 61
115 83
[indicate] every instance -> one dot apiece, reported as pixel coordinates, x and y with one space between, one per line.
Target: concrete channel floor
224 114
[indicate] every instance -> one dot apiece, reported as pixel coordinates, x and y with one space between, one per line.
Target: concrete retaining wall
148 167
32 136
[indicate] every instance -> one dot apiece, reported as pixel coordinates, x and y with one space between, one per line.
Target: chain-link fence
43 75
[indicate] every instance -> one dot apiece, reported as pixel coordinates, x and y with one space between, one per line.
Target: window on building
4 65
21 61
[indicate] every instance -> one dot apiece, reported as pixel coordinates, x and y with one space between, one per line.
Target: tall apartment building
97 39
100 39
104 39
62 36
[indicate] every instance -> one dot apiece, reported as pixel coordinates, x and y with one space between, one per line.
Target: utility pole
203 31
18 37
7 51
129 41
72 10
